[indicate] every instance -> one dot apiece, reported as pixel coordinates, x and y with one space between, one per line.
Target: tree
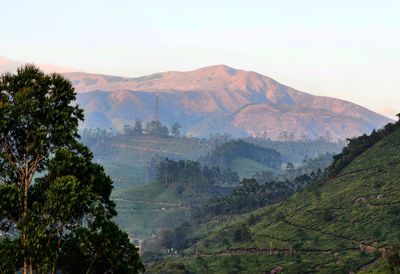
175 129
52 194
138 129
156 128
393 259
128 130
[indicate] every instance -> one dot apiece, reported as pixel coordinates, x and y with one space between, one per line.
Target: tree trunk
24 215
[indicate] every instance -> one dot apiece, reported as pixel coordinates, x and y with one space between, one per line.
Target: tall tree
138 129
70 195
176 129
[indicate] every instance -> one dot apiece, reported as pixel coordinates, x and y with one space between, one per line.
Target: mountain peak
221 68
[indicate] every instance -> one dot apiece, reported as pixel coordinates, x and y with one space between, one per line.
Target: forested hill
223 155
339 224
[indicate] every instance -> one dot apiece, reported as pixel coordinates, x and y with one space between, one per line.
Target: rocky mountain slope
219 99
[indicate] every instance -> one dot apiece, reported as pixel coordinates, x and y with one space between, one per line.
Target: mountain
219 99
342 223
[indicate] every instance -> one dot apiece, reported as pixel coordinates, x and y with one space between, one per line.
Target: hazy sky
348 49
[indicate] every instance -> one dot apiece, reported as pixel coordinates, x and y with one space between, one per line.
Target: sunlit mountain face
219 99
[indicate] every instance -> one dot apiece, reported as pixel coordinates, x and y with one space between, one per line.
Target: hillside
147 209
338 225
125 157
244 158
219 99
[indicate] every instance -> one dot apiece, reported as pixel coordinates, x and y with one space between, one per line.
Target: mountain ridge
216 99
219 99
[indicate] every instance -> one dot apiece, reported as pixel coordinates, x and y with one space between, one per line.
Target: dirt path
161 206
150 202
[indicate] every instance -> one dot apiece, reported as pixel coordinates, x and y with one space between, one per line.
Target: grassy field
326 227
145 210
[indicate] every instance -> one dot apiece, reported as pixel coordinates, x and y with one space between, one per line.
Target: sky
347 49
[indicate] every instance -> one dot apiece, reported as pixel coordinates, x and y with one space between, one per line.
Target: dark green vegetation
131 159
179 188
339 223
184 185
147 209
251 195
185 189
55 208
191 176
296 151
125 157
244 157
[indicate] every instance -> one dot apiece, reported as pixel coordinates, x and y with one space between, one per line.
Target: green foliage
100 248
156 128
128 158
187 175
150 208
176 129
10 254
69 201
179 238
324 224
227 152
296 151
393 259
136 130
250 195
241 233
357 146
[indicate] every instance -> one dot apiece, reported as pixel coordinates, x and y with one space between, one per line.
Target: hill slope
125 157
244 158
219 99
335 226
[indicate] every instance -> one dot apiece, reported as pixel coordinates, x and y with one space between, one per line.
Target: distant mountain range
219 99
216 99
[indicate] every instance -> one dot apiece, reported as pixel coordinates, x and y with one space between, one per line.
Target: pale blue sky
345 49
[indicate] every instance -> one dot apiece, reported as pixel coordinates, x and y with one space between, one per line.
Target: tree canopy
55 209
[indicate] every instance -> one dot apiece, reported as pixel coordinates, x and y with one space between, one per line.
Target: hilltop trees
187 175
136 130
55 202
175 129
225 153
357 146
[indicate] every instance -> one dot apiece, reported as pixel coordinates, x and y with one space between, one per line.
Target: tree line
152 128
192 177
226 152
357 146
252 194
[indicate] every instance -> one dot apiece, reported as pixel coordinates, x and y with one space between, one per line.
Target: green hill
125 157
244 158
338 225
246 168
145 210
